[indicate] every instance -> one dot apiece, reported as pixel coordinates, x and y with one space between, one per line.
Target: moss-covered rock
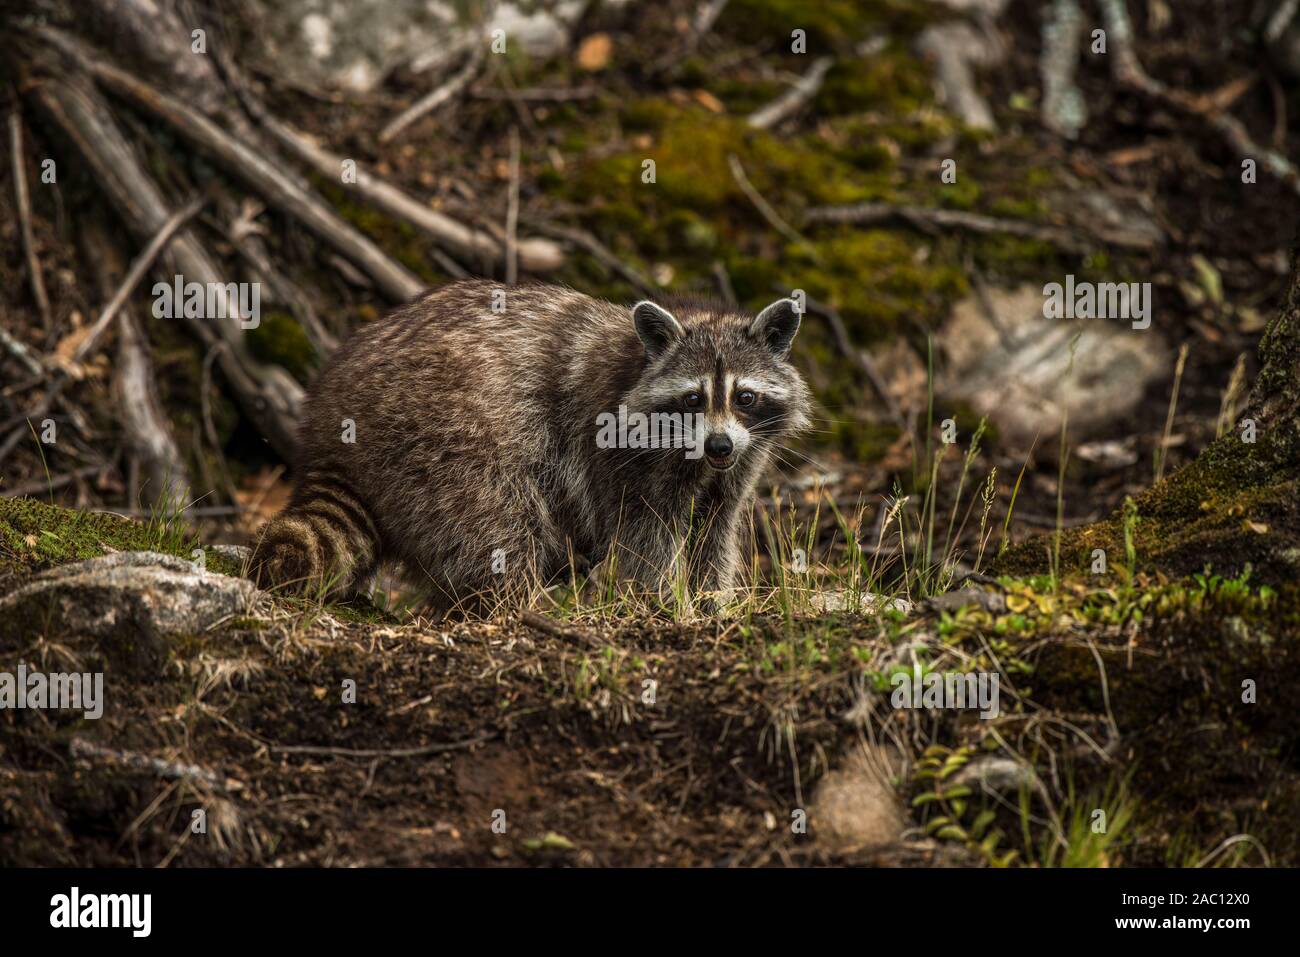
35 536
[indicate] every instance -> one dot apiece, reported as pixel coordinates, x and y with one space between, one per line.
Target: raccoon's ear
656 327
776 326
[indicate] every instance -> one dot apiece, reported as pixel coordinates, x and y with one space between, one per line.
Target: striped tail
324 539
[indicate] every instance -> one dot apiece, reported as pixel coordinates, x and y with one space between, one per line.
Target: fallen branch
512 211
436 97
954 48
144 424
138 268
553 628
535 255
1064 111
860 358
260 172
269 395
537 94
933 220
600 252
142 264
765 208
794 99
1127 70
23 200
706 17
1280 20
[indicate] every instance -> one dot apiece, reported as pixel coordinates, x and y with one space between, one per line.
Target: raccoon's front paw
715 604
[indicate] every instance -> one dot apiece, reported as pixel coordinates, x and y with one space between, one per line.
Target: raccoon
461 435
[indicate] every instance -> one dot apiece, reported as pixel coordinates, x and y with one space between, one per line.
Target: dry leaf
595 51
709 101
262 496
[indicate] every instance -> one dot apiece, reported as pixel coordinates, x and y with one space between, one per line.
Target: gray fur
476 431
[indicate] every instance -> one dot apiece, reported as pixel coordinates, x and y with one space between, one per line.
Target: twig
40 409
139 267
383 753
723 279
794 99
860 358
22 352
269 396
1280 20
512 211
247 238
1127 69
535 255
86 750
266 174
601 252
550 626
57 481
23 199
436 97
765 208
931 220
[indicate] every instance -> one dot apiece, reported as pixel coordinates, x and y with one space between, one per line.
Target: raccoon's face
728 375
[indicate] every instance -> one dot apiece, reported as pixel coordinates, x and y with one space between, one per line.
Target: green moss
830 25
280 339
35 536
876 281
1236 505
690 150
892 82
401 240
963 194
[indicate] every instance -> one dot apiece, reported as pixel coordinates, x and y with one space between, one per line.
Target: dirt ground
648 741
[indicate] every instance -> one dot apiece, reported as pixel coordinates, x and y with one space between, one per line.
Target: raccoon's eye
692 400
745 397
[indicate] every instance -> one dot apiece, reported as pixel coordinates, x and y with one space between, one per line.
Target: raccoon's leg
646 554
715 554
326 538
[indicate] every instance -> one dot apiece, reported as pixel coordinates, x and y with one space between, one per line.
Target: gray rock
1015 367
131 601
997 774
989 601
354 45
867 603
236 553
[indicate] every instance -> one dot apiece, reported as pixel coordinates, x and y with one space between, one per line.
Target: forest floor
613 737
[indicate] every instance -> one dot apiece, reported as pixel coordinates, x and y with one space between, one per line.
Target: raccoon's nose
718 445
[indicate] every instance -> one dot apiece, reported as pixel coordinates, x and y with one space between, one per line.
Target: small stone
854 806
